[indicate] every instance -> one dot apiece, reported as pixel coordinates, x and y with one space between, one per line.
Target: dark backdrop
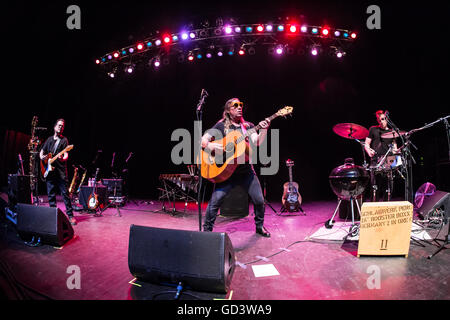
49 71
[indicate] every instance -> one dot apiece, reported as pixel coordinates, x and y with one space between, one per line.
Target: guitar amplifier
235 203
86 191
19 189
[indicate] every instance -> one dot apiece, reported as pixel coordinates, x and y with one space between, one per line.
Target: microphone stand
408 158
200 104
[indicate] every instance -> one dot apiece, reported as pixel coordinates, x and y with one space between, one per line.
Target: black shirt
380 145
241 168
49 147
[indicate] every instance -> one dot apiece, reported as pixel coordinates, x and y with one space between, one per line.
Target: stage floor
288 266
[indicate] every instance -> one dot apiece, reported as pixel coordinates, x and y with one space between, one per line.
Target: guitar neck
290 176
254 129
53 159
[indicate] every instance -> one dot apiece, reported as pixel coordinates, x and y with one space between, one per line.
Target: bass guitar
46 164
93 198
291 199
218 168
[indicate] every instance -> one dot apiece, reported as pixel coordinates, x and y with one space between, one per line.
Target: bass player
57 178
244 174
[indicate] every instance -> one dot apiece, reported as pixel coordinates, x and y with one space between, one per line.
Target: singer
57 179
244 174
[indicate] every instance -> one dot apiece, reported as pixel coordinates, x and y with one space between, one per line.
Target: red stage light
241 52
97 61
325 31
191 58
353 35
140 46
293 29
260 28
166 39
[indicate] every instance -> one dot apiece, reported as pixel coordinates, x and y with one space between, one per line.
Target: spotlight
190 56
337 33
345 34
260 28
203 33
237 29
241 51
184 36
269 28
166 39
157 63
249 29
124 52
175 38
111 74
129 69
97 61
353 35
228 29
158 42
314 30
220 53
280 28
293 29
208 55
304 29
199 56
279 50
314 51
231 51
192 35
131 50
116 54
325 31
109 57
217 31
140 46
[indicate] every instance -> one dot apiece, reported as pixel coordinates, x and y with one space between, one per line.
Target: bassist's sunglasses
238 104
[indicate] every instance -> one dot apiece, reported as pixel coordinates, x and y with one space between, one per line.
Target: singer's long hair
226 117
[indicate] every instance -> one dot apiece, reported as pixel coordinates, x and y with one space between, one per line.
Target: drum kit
388 164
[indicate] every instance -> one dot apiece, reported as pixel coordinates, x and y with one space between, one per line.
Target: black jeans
249 181
56 181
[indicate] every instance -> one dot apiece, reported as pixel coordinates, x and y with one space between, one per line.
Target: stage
300 261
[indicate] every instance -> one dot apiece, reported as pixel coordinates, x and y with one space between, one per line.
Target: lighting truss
228 37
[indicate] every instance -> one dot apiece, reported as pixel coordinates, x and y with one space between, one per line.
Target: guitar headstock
68 148
285 111
289 163
34 121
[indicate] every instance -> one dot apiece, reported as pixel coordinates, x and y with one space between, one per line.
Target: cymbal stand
113 202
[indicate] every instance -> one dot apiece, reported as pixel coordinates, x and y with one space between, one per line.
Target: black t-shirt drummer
380 145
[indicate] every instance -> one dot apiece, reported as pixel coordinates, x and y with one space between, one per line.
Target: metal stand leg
329 223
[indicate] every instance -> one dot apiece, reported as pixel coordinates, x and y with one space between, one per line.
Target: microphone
40 128
112 162
204 93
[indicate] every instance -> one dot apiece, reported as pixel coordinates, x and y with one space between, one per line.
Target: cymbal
351 131
392 134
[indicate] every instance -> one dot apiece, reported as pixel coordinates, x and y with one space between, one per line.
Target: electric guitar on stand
291 199
93 198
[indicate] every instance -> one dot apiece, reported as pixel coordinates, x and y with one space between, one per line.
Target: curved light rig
213 41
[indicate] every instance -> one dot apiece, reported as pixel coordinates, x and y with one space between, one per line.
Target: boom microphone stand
203 95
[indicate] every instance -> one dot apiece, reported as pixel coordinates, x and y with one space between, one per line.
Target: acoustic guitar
93 198
46 164
219 167
291 199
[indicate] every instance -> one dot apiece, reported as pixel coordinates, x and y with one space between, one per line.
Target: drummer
374 144
377 147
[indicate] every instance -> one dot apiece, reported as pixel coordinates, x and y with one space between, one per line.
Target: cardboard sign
385 228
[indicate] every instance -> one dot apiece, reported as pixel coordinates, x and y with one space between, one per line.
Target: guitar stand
300 209
354 229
